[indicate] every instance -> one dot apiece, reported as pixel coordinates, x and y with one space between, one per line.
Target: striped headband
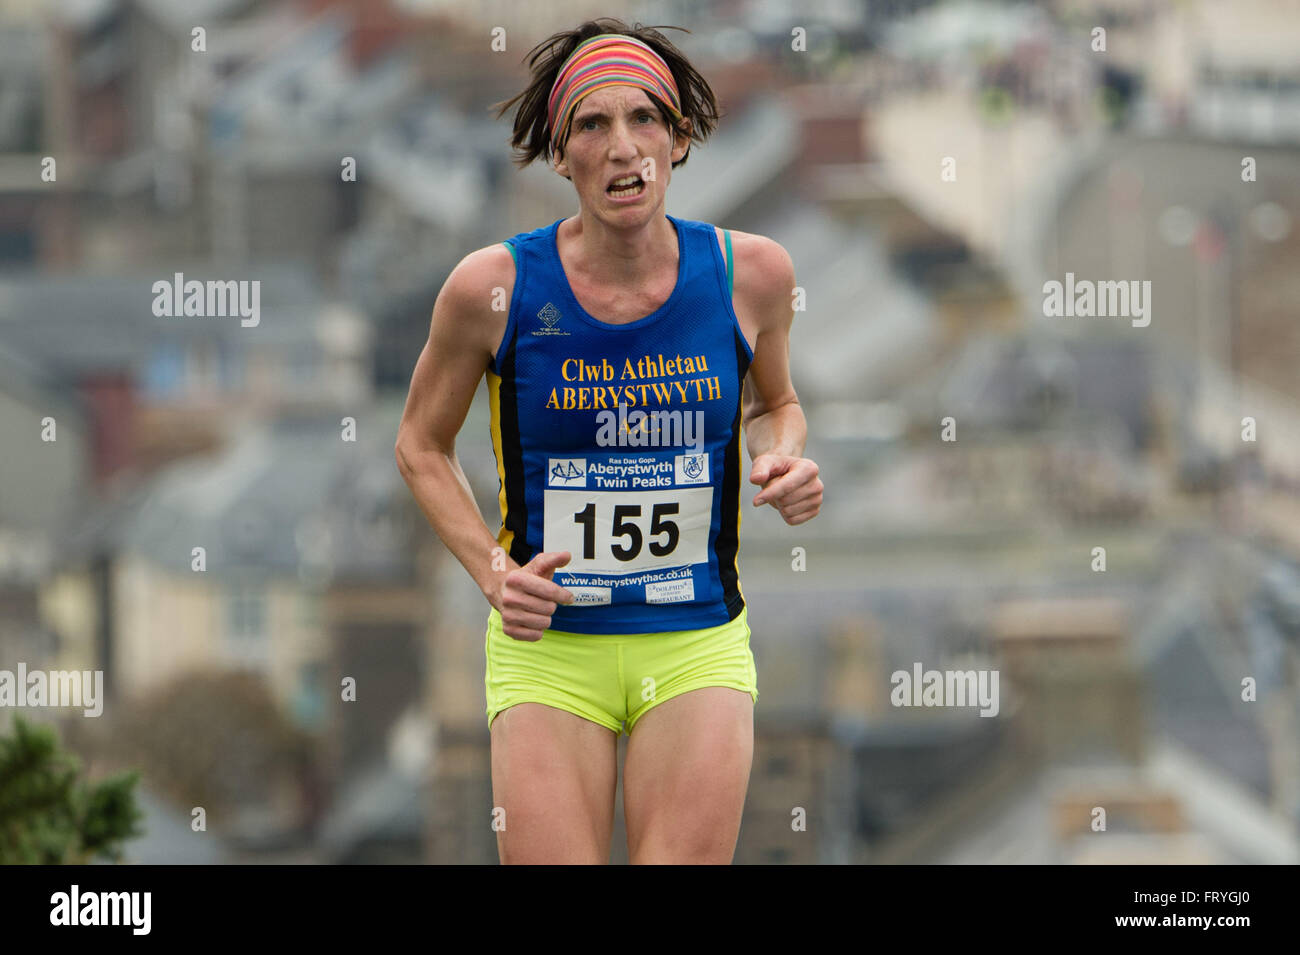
610 59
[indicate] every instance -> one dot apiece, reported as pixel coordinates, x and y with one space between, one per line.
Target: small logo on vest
692 468
566 472
550 316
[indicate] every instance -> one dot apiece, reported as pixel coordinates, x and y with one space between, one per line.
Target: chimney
1067 665
109 400
858 689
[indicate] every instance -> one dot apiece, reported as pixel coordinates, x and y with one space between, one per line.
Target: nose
621 141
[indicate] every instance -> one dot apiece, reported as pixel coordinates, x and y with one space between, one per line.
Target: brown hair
532 134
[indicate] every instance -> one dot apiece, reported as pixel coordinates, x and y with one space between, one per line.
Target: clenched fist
790 484
529 596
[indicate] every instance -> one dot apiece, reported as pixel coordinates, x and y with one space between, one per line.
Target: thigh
685 777
554 774
555 709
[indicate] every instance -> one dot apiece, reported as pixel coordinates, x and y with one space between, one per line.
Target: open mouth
626 187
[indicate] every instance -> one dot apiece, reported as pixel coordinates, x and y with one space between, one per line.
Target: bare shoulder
478 277
475 299
764 271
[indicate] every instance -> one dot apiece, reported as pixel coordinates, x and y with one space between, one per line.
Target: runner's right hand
529 596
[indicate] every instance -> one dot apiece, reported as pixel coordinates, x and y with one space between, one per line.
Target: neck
606 255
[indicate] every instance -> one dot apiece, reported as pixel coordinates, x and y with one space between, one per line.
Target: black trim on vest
513 464
729 531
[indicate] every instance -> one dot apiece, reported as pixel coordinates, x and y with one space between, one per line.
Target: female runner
625 351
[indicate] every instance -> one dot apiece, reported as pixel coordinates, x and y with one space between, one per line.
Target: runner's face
616 131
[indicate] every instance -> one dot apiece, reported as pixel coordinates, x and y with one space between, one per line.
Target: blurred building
1122 689
309 577
152 387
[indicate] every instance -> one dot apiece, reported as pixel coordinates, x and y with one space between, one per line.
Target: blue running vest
620 443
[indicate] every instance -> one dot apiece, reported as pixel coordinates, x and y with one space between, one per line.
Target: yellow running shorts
610 679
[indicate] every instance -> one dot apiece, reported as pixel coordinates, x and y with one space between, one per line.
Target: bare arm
775 427
442 388
463 334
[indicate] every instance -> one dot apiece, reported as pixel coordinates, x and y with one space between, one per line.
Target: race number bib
636 525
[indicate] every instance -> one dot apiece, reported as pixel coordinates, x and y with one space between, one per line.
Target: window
246 613
166 369
779 765
309 696
231 362
246 628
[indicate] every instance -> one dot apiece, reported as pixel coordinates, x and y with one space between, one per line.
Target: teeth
625 187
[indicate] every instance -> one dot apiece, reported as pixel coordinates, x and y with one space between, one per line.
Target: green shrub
48 816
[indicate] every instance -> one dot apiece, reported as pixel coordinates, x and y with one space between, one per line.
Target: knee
698 849
539 852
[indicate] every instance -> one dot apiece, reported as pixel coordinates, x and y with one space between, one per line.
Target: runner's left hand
790 484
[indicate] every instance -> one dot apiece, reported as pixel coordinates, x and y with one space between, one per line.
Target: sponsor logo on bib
692 468
566 472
